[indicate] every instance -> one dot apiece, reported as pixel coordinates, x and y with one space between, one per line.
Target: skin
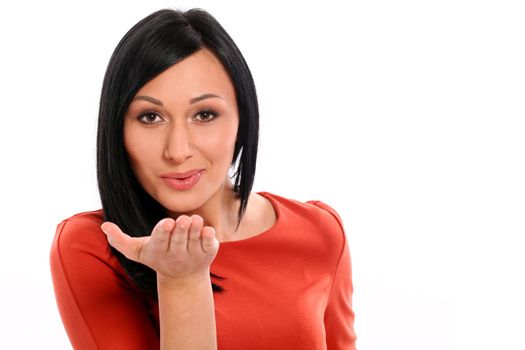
180 251
186 118
195 128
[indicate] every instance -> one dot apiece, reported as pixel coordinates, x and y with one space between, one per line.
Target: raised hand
175 249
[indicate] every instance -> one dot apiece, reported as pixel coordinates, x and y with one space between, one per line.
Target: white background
408 117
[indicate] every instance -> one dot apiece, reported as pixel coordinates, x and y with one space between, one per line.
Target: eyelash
142 116
208 112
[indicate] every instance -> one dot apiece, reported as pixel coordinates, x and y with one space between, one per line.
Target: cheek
139 148
221 143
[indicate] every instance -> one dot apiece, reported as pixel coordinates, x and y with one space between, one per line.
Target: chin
182 203
181 208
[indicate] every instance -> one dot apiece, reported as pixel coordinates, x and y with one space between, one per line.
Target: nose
178 144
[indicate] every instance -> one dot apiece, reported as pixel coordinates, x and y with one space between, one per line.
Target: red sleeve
339 316
99 307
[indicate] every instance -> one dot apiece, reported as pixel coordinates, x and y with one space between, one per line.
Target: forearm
180 251
186 313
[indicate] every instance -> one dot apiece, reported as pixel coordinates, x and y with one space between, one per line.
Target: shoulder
312 213
80 234
81 249
328 213
89 218
312 208
83 226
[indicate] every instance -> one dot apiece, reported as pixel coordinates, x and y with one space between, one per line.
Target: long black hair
157 42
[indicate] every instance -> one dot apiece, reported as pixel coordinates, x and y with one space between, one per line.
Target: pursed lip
181 175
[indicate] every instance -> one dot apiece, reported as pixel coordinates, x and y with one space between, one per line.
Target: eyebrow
149 99
204 97
192 100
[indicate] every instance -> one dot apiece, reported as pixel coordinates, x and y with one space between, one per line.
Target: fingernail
167 226
181 222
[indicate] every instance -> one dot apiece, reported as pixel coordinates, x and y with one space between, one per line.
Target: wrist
190 281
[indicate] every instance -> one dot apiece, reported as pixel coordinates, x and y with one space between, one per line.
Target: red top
289 287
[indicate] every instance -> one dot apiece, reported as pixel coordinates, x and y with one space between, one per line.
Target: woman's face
180 131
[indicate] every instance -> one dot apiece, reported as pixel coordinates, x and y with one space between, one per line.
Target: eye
150 118
206 116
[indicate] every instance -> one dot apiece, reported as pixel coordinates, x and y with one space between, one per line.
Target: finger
210 244
194 235
129 246
179 236
160 236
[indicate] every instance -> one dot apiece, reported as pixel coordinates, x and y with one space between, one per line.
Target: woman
178 111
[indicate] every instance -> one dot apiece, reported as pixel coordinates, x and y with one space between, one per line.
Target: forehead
196 74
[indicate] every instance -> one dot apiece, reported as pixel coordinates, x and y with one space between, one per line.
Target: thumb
129 246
